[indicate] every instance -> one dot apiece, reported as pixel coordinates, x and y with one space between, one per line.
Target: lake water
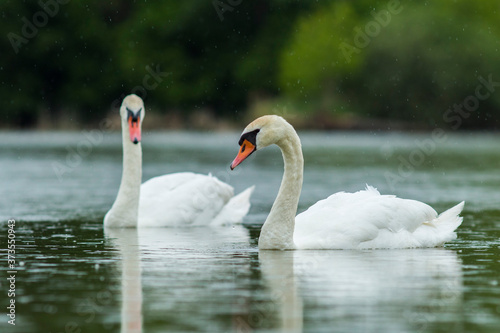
74 276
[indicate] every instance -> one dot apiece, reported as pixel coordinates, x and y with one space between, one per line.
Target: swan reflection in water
184 267
127 242
201 279
360 291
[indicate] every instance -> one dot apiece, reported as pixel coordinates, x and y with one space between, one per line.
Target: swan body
179 199
361 220
367 220
189 199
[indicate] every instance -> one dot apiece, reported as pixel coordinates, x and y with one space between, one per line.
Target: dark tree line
401 60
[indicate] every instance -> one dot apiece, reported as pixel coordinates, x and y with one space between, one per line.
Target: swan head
260 133
132 114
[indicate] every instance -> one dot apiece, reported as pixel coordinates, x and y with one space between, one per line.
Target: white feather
188 199
361 220
174 200
367 220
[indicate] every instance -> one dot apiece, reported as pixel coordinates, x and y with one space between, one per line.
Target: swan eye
133 115
250 137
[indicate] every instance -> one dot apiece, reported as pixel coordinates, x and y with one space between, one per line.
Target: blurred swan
360 220
179 199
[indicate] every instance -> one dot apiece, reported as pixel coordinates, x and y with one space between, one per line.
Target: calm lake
74 276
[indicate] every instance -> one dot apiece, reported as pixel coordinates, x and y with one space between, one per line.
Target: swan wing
182 199
366 219
235 209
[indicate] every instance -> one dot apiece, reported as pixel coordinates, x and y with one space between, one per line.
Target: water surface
74 275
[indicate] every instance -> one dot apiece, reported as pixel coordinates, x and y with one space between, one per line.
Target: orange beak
134 129
247 148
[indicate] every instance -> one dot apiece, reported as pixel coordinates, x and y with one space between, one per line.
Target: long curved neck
277 231
125 210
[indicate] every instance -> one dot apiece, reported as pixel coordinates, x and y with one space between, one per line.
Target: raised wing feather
364 219
182 199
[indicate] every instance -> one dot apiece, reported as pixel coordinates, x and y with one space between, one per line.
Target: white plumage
174 200
361 220
367 220
189 199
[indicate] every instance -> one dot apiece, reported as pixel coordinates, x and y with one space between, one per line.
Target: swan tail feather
451 219
235 209
446 224
371 189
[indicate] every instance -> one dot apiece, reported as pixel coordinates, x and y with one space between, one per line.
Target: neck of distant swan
277 231
125 210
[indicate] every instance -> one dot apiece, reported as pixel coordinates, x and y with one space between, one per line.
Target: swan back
182 199
366 219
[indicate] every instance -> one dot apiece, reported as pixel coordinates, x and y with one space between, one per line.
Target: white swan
364 219
179 199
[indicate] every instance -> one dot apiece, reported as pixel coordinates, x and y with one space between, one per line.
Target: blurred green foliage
191 55
411 65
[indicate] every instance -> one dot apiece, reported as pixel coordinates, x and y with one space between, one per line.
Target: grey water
75 276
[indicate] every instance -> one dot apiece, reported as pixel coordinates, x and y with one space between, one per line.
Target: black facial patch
250 137
133 115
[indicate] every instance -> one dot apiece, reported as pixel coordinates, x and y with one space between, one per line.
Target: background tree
308 54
